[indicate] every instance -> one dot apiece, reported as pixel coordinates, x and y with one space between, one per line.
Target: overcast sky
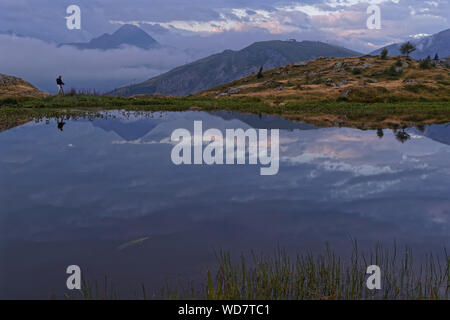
207 26
246 20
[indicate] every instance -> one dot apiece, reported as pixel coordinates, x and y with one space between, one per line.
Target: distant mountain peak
127 34
130 29
426 45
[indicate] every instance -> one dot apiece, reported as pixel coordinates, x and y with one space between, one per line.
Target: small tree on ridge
407 48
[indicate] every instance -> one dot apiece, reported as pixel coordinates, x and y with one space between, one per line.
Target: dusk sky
202 27
341 21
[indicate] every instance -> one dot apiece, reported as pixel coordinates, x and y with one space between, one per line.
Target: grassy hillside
230 65
358 79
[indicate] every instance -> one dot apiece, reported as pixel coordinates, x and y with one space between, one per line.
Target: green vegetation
384 53
359 113
416 88
426 63
308 277
393 72
257 104
445 83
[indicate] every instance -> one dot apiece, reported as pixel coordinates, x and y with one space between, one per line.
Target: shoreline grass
307 276
14 111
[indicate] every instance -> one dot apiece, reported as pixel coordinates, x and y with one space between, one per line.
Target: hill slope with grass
230 65
11 86
357 79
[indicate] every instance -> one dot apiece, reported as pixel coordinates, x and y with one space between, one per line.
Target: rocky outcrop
11 86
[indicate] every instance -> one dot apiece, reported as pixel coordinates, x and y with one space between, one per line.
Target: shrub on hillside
425 63
368 94
393 71
8 101
416 88
260 73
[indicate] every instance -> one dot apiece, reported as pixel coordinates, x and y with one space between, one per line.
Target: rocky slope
230 65
16 87
359 79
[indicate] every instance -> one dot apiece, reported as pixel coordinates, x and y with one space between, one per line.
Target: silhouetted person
60 84
61 125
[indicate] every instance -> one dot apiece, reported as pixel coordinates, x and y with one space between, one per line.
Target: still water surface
77 196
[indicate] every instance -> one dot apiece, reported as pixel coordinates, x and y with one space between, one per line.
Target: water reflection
76 197
402 136
61 125
380 133
144 122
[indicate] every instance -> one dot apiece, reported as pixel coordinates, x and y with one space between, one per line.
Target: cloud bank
40 63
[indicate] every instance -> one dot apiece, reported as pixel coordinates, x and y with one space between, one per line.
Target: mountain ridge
126 35
230 65
426 46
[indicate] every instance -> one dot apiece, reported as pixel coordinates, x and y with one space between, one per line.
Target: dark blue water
76 196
